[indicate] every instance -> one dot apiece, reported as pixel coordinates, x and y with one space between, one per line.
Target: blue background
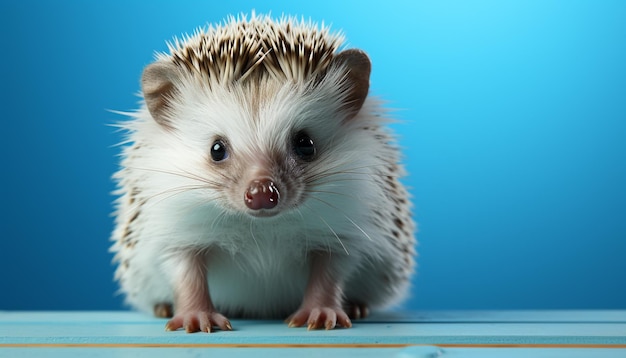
514 129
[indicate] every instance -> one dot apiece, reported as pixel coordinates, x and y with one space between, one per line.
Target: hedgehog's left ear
157 85
357 79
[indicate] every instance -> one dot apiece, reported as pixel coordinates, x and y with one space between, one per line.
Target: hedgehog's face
267 144
262 178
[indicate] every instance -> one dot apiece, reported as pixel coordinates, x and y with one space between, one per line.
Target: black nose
261 194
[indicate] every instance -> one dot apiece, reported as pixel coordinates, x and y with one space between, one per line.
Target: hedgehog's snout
262 194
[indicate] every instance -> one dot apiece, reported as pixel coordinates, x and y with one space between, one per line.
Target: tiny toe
344 320
163 310
191 325
331 320
365 311
173 324
357 310
204 323
222 322
314 321
297 319
227 326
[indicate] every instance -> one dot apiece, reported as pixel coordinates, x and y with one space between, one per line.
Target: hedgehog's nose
261 194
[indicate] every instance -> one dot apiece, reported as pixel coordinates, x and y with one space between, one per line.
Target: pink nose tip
261 194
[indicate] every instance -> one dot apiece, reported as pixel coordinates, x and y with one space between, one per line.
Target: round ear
359 67
157 85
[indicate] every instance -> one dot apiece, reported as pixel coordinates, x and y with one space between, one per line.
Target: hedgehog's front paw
318 317
194 321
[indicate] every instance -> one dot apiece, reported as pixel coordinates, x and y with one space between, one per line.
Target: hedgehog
258 179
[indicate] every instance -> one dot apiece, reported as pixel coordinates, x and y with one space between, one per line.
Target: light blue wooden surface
400 334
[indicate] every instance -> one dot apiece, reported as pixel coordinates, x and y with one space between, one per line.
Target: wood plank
401 334
409 352
135 328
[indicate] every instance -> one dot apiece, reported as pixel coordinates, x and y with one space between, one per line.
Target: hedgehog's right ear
157 85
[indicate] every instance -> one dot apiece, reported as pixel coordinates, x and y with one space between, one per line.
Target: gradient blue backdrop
514 129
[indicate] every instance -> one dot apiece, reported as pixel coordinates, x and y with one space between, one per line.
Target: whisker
349 168
191 175
181 174
349 171
344 214
326 174
352 171
254 237
338 180
337 170
331 230
306 238
331 192
217 219
149 201
336 177
171 195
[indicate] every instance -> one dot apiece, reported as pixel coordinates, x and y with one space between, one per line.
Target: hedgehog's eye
218 151
303 146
